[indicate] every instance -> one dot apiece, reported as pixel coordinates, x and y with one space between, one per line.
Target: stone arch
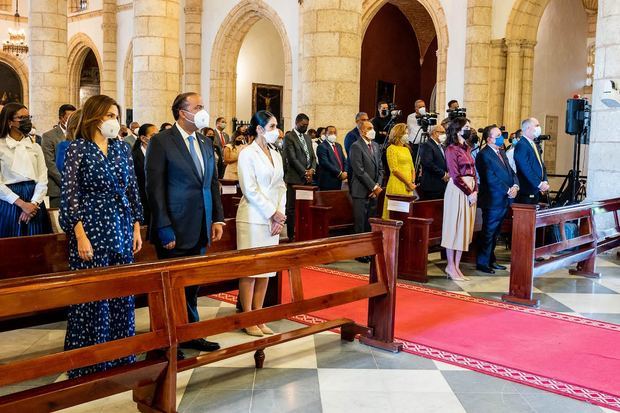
434 8
524 20
228 41
79 46
20 68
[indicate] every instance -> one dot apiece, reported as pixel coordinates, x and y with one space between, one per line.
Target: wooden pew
319 214
47 254
231 194
607 237
529 260
153 381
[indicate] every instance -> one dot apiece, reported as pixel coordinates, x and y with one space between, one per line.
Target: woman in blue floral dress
100 212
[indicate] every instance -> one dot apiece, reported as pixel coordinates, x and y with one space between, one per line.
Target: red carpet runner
571 356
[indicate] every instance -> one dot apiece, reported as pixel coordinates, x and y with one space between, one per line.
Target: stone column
47 60
193 33
604 158
512 97
527 78
591 8
155 59
477 61
108 75
331 46
497 81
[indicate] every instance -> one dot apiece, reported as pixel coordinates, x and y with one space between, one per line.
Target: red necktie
500 158
370 148
222 138
337 157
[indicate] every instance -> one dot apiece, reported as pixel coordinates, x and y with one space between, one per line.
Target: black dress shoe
497 266
180 355
201 344
485 269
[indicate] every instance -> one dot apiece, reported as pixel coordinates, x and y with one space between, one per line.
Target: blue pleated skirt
9 215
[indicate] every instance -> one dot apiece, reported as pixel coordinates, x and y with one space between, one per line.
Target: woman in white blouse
260 216
23 176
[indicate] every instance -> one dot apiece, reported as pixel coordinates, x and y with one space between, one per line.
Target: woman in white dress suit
260 216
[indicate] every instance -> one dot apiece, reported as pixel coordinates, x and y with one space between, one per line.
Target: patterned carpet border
544 383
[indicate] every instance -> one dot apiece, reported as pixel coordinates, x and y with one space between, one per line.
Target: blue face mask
499 141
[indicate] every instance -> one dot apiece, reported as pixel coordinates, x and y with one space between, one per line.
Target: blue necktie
194 155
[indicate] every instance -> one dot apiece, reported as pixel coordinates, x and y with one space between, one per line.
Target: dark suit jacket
352 136
178 197
366 168
217 141
433 168
496 178
138 165
529 170
296 158
330 168
49 140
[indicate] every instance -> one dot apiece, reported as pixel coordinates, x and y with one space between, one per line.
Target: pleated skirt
459 217
254 236
9 215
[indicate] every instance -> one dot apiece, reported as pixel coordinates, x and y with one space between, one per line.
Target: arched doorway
226 47
84 69
13 79
398 63
90 80
428 20
10 85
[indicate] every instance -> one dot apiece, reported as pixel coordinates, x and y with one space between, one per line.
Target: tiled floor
324 374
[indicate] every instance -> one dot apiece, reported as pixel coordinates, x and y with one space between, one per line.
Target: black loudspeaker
575 109
128 116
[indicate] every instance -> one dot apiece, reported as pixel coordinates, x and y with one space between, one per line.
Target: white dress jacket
262 185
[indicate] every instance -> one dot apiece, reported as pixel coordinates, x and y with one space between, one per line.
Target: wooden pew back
154 380
607 230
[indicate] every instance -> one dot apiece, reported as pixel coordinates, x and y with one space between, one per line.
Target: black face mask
239 142
302 129
466 134
25 126
383 112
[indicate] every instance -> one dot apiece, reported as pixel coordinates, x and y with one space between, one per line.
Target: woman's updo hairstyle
453 130
260 118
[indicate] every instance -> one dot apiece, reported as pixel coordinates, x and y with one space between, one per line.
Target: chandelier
16 43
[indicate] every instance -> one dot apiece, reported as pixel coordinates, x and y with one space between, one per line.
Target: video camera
394 111
457 113
426 120
542 138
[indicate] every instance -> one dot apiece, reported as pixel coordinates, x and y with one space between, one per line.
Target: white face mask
331 138
422 111
322 138
371 134
272 136
110 128
442 138
201 119
537 131
135 131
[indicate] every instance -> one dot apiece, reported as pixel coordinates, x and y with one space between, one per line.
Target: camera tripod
415 148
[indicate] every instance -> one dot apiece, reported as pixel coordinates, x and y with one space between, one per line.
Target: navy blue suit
530 172
180 199
330 169
496 178
352 136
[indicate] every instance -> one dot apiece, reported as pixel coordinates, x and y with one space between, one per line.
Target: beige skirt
459 217
254 236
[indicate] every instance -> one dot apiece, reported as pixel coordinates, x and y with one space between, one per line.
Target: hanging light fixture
16 42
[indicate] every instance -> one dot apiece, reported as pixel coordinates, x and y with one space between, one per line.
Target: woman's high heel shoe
265 329
457 277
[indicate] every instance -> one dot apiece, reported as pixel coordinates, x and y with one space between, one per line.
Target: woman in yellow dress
402 172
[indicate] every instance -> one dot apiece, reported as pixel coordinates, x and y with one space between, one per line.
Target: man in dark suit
366 178
334 165
354 134
434 171
530 166
221 138
184 193
144 133
300 166
498 187
49 140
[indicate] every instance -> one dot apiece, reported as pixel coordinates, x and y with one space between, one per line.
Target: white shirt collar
184 134
143 149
